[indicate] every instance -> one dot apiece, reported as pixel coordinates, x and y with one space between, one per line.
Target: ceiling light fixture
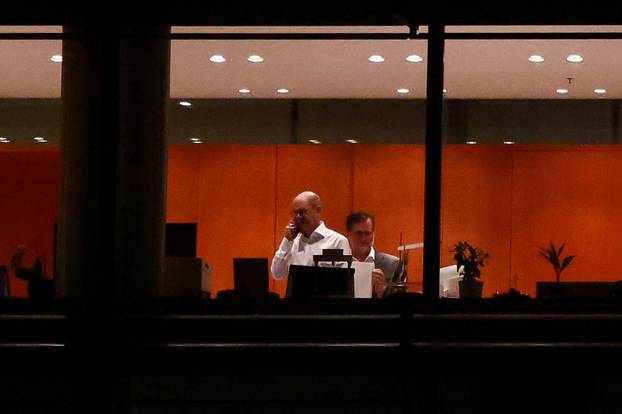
352 141
471 142
403 90
282 90
187 104
536 59
574 58
508 142
561 91
414 58
600 91
376 59
57 58
244 90
217 59
315 141
255 59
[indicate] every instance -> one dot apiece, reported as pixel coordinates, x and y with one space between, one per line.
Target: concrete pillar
115 88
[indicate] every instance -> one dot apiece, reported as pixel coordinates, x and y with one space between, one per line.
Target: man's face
361 236
306 216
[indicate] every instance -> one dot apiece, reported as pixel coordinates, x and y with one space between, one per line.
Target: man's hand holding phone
291 231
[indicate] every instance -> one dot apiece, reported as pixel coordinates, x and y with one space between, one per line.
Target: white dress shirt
300 251
371 257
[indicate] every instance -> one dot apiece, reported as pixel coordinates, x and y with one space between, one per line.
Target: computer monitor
448 282
250 277
180 240
305 282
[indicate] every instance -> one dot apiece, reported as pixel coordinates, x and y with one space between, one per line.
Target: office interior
100 348
529 153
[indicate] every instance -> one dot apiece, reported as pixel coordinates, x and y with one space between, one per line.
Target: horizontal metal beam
339 36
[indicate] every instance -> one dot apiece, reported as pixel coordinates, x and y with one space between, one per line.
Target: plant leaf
545 256
567 261
554 257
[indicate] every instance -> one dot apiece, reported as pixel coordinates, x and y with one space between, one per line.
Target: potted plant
553 256
40 287
469 259
556 289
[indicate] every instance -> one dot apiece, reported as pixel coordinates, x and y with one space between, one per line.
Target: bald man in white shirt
305 236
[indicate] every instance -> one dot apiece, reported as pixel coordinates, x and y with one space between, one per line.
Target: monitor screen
181 240
306 282
250 277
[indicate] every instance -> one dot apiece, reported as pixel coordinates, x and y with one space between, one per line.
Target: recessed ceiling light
255 59
196 140
574 58
315 141
282 90
403 90
444 90
244 90
39 138
376 59
471 142
600 91
4 140
536 58
561 91
185 103
217 58
56 58
414 58
508 142
352 141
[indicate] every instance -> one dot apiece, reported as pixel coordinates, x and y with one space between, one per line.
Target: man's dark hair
360 217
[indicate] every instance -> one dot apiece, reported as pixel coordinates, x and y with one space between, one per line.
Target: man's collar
371 257
372 254
321 230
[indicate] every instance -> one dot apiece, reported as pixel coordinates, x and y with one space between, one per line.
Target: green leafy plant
553 256
470 259
26 273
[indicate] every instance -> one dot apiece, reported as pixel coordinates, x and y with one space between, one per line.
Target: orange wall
236 207
569 195
476 206
389 183
29 187
506 200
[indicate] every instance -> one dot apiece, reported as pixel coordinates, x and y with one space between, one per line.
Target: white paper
362 279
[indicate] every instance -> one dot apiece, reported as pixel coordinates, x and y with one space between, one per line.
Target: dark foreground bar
322 356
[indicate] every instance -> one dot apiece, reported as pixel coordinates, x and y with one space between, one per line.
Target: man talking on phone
305 236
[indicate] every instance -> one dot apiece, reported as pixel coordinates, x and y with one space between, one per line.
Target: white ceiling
475 69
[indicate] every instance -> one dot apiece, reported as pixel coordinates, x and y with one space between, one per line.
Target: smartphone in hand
291 230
